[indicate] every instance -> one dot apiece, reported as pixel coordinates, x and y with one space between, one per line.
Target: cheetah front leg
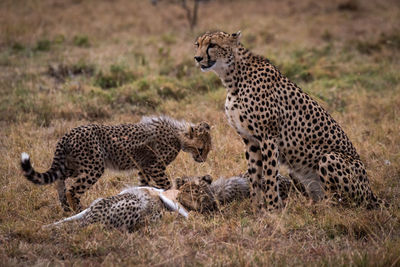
262 165
155 173
254 171
270 154
285 185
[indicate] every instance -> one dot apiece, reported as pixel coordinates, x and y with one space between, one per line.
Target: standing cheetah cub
281 124
148 146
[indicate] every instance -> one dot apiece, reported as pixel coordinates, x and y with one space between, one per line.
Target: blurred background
132 55
68 63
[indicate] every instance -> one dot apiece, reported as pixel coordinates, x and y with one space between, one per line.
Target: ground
67 63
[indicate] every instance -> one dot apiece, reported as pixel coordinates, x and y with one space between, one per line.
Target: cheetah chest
233 113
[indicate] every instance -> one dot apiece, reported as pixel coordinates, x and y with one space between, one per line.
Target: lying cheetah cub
129 210
138 206
148 146
201 194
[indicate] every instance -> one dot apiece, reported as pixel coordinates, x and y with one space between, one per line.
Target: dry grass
348 58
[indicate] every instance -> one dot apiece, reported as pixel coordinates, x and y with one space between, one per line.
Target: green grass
81 41
116 77
43 45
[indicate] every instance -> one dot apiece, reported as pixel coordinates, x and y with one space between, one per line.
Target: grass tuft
43 45
116 77
81 41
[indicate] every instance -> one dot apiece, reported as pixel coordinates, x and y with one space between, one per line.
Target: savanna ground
67 63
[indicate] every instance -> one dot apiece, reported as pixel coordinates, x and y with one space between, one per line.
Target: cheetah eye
196 44
212 45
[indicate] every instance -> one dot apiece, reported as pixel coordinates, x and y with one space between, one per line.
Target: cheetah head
197 141
194 193
214 51
180 181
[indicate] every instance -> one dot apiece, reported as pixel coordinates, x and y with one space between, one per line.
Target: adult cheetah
148 146
281 124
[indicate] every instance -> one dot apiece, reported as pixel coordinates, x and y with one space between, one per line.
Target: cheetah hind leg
62 195
83 182
345 179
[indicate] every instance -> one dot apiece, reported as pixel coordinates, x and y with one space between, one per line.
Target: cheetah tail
54 173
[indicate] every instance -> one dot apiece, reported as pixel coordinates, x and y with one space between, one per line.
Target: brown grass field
67 63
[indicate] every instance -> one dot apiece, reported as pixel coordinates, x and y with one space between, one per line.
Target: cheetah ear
207 178
205 126
179 182
236 36
189 133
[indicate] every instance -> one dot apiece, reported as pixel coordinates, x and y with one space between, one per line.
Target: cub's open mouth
209 66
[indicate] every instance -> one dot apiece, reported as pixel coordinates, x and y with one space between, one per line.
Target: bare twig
191 15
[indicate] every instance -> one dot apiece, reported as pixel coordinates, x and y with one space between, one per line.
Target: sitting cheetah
281 124
148 146
129 210
201 194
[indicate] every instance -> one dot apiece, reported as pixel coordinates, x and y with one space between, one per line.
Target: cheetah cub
129 210
280 124
148 146
201 194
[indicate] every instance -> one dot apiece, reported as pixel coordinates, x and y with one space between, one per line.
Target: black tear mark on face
208 55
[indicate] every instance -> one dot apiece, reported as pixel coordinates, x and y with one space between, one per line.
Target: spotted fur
148 146
281 124
201 194
127 211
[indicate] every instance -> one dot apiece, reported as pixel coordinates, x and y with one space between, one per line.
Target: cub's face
194 193
197 141
214 51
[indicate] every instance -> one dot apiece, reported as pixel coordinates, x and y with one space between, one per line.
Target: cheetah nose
198 59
